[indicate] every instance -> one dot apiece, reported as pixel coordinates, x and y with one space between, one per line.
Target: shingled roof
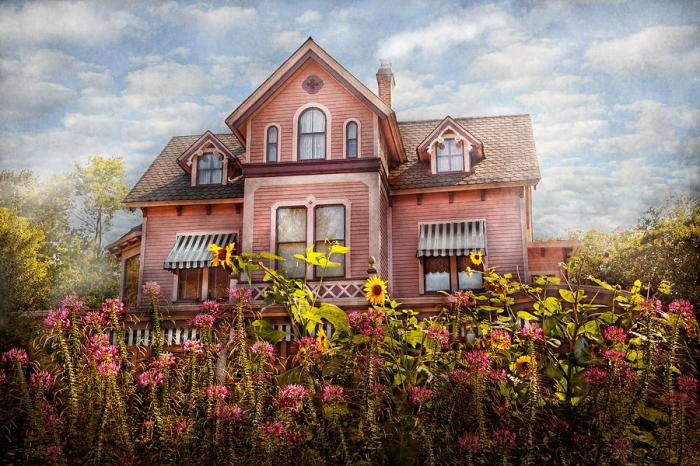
509 154
166 181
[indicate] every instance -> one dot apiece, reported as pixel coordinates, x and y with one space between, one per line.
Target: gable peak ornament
312 84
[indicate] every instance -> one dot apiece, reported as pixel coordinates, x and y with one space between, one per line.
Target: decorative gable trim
209 143
425 149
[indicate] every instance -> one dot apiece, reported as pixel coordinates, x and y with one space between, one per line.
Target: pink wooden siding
383 269
355 192
282 107
163 224
500 209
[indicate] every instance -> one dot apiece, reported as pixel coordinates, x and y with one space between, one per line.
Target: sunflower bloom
322 340
477 258
222 256
376 290
523 366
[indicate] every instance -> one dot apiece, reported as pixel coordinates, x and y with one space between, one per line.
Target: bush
576 384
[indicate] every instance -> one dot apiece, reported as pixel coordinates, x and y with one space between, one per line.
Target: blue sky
613 86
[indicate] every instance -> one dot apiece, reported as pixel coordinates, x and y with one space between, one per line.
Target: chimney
385 81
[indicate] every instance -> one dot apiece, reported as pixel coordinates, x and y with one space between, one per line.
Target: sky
613 87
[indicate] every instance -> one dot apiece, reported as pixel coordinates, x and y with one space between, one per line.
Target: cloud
165 82
308 17
87 24
658 51
239 70
287 40
518 60
216 19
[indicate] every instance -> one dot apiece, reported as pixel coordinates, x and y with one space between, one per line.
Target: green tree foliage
101 187
24 274
664 245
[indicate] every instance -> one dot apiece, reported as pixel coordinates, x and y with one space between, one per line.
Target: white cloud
518 60
45 22
287 40
217 19
239 70
665 51
165 82
308 17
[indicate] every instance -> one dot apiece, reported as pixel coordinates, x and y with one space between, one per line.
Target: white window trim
195 162
295 129
311 202
453 259
279 142
466 149
359 138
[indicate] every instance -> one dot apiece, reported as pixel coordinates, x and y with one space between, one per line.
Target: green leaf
414 337
265 331
338 249
268 255
636 286
527 316
335 315
570 297
552 304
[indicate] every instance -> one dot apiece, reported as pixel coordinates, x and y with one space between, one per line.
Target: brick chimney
385 81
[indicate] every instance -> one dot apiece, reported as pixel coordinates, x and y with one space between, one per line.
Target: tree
101 188
24 274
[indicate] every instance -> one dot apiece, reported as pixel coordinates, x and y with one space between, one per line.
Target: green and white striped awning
451 238
192 251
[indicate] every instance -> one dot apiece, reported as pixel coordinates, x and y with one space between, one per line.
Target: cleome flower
193 346
203 320
332 394
211 306
241 295
108 369
165 360
217 392
461 299
290 398
439 335
15 356
273 429
420 395
55 318
94 319
113 308
376 290
151 288
595 376
72 303
264 350
100 350
40 380
614 334
469 441
151 378
500 339
229 412
369 323
222 256
478 362
532 331
504 438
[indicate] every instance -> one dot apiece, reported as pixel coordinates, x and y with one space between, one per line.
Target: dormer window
271 148
351 140
450 156
312 135
209 169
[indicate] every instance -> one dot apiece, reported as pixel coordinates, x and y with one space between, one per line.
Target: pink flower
652 306
40 380
151 288
478 362
469 442
332 394
241 295
212 307
290 398
264 350
500 339
614 334
461 299
687 384
108 369
497 376
202 320
100 349
54 451
151 378
274 429
72 303
193 346
217 392
439 335
595 376
113 308
554 424
178 427
15 356
165 360
419 395
307 345
54 318
532 331
229 412
369 323
682 307
354 318
614 356
378 389
93 319
504 438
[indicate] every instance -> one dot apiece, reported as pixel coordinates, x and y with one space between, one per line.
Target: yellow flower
376 290
477 257
523 366
222 256
322 340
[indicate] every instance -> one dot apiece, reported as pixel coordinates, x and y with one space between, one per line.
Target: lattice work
329 290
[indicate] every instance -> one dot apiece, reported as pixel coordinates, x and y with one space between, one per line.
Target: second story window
209 169
450 156
351 140
312 134
271 149
291 239
329 225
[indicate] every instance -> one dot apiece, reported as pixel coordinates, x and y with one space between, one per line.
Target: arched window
312 134
351 140
271 150
209 169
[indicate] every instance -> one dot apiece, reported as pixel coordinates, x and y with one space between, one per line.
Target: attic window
209 169
450 156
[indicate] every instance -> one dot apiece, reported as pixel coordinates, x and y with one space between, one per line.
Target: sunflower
322 340
376 290
477 258
523 366
222 256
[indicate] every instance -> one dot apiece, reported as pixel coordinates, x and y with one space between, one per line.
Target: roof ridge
467 118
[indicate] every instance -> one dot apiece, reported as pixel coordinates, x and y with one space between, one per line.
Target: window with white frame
351 149
209 169
436 271
450 156
272 147
291 239
312 134
329 226
469 276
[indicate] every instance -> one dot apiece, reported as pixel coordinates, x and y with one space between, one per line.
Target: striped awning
451 238
191 251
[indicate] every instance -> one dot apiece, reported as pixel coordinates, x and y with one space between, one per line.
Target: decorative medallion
312 84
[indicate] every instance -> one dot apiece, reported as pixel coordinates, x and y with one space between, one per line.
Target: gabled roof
310 50
128 239
423 149
166 181
509 155
207 139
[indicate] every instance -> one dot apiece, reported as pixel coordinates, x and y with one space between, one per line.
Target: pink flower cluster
500 339
100 350
229 412
278 430
113 308
55 318
307 345
504 438
332 394
264 350
217 392
108 369
532 331
652 306
369 323
151 288
241 295
595 376
614 334
469 442
151 378
54 452
273 429
193 346
94 319
614 356
683 308
439 335
420 395
15 355
212 307
687 384
497 376
203 320
290 398
40 380
461 299
478 361
164 361
72 303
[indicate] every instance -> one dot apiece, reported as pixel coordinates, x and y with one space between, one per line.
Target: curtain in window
437 273
329 225
291 239
189 284
209 168
464 280
351 140
449 156
312 134
272 144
